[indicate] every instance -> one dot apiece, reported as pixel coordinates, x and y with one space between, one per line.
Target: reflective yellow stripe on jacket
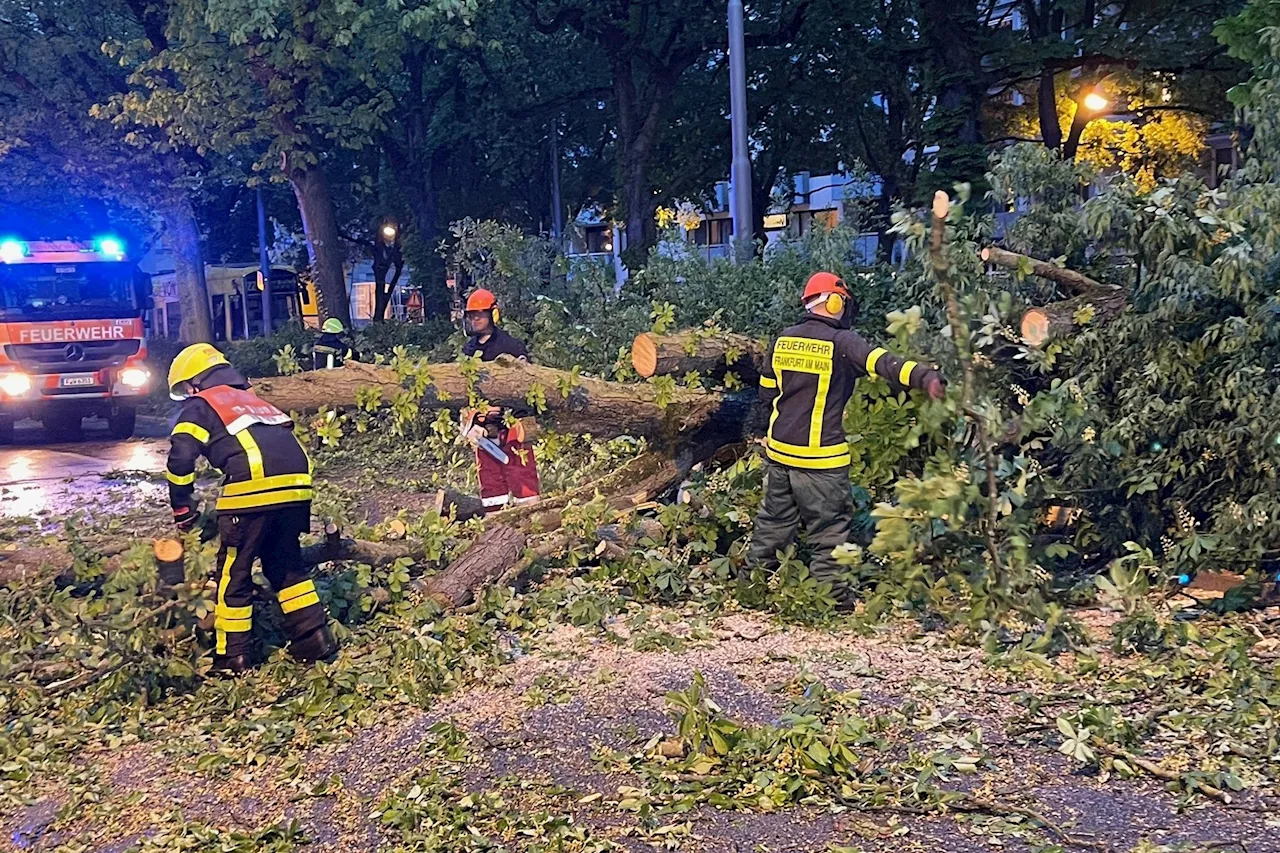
816 358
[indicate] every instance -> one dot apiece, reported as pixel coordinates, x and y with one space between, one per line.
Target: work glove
185 518
515 432
935 387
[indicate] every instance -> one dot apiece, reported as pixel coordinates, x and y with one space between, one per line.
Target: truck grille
79 357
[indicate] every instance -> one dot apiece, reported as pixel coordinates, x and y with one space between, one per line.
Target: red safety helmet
481 300
823 283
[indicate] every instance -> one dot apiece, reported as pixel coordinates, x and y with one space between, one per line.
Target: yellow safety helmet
190 363
333 326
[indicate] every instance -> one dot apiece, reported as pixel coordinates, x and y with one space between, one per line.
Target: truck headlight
15 384
134 377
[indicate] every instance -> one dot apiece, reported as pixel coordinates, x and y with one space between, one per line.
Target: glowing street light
389 231
1095 102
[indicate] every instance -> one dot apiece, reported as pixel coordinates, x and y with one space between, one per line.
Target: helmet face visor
478 322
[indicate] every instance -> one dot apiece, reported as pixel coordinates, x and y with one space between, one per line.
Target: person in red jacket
504 459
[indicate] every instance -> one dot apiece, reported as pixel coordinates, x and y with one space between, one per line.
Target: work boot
317 645
229 666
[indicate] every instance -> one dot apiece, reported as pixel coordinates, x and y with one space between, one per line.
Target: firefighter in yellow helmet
264 508
331 349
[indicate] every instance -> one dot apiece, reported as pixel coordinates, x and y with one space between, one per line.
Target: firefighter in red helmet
507 470
807 381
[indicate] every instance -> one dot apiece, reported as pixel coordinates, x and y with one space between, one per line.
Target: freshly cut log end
1035 327
167 550
644 354
710 354
941 204
170 565
1049 322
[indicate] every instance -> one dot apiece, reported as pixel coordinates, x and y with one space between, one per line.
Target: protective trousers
272 536
820 499
515 481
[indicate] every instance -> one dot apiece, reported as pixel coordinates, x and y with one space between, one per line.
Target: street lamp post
264 261
740 176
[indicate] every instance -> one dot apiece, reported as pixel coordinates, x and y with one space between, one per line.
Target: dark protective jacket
808 379
331 350
499 343
246 438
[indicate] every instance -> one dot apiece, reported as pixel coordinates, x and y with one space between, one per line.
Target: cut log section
170 565
1058 319
497 549
1095 303
692 350
603 409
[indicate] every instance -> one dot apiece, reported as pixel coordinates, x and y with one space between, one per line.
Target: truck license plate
79 380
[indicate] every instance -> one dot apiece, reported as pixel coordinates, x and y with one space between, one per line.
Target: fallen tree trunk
1058 319
603 409
1095 303
710 354
499 547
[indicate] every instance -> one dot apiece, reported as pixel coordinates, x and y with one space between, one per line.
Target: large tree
289 81
53 72
646 46
1149 57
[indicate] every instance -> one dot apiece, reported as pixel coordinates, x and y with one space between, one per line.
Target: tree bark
182 235
1056 320
952 37
324 242
603 409
1070 279
497 549
1047 109
693 350
639 121
1041 325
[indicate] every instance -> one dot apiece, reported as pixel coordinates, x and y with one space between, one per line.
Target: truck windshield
83 291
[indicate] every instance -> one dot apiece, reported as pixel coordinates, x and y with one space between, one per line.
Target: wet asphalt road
48 480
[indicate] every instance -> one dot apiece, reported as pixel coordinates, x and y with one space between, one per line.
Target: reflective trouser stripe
229 620
497 500
298 596
180 480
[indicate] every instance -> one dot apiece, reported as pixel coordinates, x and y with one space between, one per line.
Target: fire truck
72 341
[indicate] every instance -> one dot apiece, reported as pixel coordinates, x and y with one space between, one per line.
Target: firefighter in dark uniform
808 378
515 480
331 349
264 508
